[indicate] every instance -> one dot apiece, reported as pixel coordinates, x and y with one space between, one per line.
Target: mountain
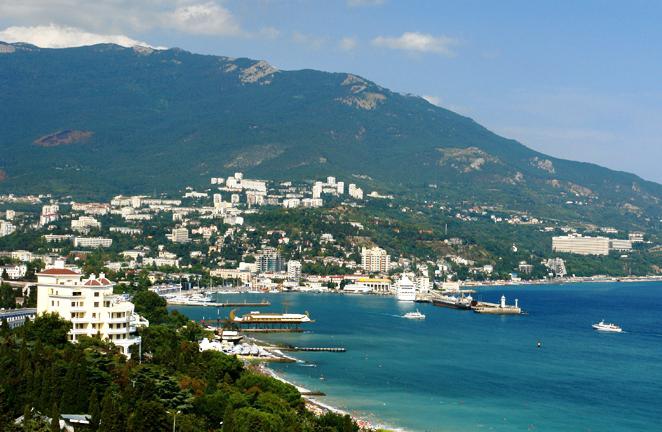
104 119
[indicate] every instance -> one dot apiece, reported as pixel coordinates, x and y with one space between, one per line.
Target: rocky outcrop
64 137
260 72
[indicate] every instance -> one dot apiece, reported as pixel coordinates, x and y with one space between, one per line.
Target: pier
263 303
316 349
497 308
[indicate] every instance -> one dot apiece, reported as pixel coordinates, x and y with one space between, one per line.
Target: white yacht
602 326
414 315
406 290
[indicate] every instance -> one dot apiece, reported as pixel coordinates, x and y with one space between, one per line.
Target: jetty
316 349
263 303
497 308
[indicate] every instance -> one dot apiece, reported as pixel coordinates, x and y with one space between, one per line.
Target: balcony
116 331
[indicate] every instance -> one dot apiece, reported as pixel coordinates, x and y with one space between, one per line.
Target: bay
461 371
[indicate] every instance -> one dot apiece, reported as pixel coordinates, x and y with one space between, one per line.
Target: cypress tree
55 418
94 411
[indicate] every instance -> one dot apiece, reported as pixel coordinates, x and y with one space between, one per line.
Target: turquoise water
460 371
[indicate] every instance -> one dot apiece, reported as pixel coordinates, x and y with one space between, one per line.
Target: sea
462 371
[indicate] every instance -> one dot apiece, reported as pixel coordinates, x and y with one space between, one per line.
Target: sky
579 80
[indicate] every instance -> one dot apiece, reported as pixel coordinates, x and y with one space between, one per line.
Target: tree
7 296
111 419
151 306
49 329
55 418
94 411
149 416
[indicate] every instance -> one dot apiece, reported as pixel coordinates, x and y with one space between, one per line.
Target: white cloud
206 18
355 3
53 36
347 43
434 100
418 42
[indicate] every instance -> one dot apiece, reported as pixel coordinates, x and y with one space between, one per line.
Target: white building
6 228
340 187
85 223
10 215
317 189
161 262
92 242
179 235
578 244
126 230
620 245
355 192
556 266
293 270
90 305
49 213
14 271
375 260
635 237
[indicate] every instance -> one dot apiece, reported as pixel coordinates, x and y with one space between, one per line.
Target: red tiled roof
93 282
58 271
105 281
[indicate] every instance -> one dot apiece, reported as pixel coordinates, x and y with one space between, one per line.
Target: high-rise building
317 190
375 260
556 266
269 260
355 192
294 270
90 305
340 187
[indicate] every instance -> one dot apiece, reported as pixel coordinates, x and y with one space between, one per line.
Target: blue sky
574 79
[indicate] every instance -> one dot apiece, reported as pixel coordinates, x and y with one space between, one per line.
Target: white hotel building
90 305
581 245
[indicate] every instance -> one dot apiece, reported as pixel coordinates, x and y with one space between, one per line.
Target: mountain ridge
170 118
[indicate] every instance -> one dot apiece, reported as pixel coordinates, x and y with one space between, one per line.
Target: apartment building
90 305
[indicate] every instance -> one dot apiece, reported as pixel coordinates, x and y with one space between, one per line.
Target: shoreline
310 397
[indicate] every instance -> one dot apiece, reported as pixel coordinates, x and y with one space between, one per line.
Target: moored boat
406 290
453 302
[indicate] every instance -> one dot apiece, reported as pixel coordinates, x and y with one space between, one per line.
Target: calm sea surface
460 371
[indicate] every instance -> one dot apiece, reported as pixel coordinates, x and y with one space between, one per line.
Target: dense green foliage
43 375
154 116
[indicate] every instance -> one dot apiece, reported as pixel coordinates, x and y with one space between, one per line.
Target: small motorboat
414 315
607 327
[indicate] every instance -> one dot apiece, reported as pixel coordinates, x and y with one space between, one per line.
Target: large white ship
406 290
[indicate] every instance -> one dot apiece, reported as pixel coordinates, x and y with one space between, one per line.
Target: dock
497 308
316 349
263 303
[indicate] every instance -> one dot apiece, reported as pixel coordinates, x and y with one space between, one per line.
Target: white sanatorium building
578 244
90 305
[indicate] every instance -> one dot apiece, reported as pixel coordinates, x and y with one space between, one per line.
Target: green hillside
104 119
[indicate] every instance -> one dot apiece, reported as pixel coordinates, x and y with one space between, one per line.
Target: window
96 294
96 304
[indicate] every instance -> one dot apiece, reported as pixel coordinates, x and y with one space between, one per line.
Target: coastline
310 397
